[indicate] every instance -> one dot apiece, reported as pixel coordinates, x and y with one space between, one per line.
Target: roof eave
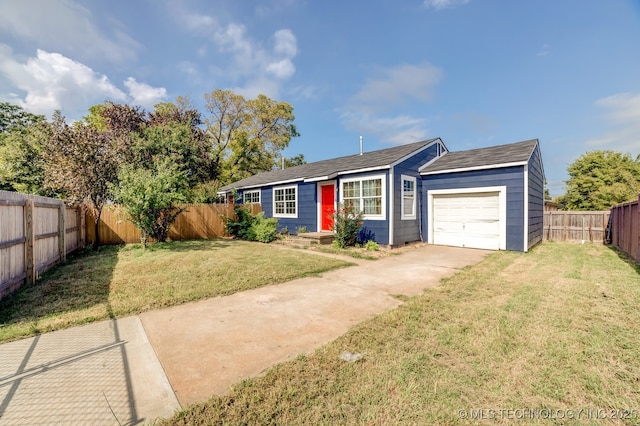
468 169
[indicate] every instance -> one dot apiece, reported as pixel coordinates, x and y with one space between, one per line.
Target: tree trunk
96 229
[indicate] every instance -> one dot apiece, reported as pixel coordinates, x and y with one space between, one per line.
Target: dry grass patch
118 281
556 328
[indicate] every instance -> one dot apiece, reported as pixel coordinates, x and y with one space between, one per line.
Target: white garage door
467 220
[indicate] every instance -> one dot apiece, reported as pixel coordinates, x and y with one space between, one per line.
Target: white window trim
244 196
415 198
273 199
383 180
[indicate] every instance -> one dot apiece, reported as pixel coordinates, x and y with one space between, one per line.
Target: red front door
327 207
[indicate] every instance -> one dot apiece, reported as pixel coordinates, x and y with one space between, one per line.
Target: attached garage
468 218
487 198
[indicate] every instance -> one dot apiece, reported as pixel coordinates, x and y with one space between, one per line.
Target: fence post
82 211
62 232
29 234
638 229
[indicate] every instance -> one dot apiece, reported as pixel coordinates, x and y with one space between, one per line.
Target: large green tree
81 161
22 136
599 180
247 135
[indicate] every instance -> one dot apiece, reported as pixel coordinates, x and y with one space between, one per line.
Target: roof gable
328 169
483 158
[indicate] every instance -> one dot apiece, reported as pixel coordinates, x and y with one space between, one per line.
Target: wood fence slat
576 226
33 237
197 221
625 228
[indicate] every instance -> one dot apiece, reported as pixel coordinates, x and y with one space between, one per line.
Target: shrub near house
246 226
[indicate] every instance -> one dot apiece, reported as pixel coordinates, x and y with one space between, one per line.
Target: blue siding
536 198
511 177
405 231
307 206
377 230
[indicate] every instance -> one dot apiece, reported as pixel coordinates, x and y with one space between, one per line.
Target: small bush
372 246
346 225
264 230
302 229
240 226
248 227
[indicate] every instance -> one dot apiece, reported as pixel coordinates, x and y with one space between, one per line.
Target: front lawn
548 334
123 280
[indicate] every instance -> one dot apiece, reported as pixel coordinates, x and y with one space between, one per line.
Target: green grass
118 281
556 328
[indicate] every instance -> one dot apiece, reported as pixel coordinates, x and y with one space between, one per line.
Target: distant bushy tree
599 180
247 136
22 137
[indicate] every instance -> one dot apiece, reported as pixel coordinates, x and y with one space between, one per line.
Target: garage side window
285 201
252 197
408 207
366 195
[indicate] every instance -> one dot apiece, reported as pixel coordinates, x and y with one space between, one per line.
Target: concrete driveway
207 346
130 370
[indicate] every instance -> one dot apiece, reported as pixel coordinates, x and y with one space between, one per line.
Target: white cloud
396 130
282 70
253 66
143 94
374 109
65 26
52 81
396 86
443 4
623 114
285 43
624 107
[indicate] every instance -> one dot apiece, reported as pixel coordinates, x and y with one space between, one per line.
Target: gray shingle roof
331 168
518 152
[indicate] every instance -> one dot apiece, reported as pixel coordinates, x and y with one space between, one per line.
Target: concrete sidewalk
105 373
131 370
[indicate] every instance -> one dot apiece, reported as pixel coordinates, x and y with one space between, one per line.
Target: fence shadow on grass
80 283
626 258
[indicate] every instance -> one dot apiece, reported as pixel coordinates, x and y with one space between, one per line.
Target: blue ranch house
489 198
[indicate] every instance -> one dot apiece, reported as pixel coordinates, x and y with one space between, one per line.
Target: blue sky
474 72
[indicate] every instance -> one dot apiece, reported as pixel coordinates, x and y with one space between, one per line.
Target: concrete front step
317 237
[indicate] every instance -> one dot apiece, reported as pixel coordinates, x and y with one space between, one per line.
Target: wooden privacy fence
576 226
198 221
625 228
35 234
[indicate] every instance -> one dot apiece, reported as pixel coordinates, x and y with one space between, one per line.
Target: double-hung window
285 201
365 195
252 197
408 207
